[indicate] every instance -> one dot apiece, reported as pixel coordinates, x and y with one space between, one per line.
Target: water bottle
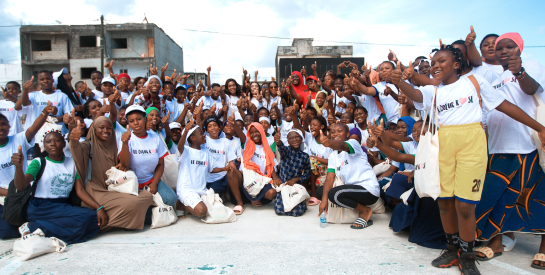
323 220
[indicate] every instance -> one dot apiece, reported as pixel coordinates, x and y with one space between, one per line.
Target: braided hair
457 54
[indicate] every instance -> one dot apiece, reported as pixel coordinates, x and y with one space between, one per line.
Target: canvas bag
170 173
293 195
122 182
217 212
253 182
382 167
36 244
540 117
426 174
162 215
336 213
50 125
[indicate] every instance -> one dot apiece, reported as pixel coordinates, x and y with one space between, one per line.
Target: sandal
508 243
239 209
362 222
488 252
540 257
313 201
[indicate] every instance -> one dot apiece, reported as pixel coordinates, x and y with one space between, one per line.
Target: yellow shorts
462 162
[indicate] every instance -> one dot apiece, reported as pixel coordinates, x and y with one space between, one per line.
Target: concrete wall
167 51
58 47
10 72
77 64
137 43
78 52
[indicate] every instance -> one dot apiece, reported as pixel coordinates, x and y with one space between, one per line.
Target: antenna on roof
145 19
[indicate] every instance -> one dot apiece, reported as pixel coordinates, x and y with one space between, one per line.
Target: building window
86 72
123 71
87 41
119 43
41 45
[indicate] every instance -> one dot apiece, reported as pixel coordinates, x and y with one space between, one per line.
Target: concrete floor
259 242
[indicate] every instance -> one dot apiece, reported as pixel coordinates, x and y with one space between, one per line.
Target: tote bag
253 182
217 212
293 195
162 215
336 213
426 174
36 244
540 117
122 182
170 173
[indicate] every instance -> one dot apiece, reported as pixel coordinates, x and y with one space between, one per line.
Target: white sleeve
355 145
20 139
427 96
308 138
230 151
490 97
67 106
536 71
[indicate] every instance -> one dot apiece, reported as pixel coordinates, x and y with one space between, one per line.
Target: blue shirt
294 164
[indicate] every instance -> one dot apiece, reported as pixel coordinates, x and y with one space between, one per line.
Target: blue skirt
259 196
7 230
513 198
399 185
57 218
297 211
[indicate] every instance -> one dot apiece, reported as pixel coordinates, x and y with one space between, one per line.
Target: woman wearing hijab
98 153
63 81
513 190
297 87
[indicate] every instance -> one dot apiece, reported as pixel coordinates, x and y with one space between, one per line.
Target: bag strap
537 100
164 143
477 88
59 244
43 161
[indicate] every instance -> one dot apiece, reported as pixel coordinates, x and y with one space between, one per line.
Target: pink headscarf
515 36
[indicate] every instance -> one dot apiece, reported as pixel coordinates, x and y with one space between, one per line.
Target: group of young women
350 139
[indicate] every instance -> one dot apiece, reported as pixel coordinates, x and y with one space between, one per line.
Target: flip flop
488 252
239 209
508 243
362 222
541 258
313 201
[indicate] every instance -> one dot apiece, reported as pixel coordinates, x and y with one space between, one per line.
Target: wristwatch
520 72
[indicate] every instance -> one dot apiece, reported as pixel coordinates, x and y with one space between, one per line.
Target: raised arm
39 122
25 100
181 144
405 87
125 155
337 145
208 78
472 53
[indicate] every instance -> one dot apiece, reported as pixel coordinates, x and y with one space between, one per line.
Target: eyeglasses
273 87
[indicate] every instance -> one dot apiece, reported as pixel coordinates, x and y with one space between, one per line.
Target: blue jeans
168 196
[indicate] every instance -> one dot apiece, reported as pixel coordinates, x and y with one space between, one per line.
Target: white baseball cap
108 79
134 108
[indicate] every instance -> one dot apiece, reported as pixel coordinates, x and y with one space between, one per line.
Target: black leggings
348 196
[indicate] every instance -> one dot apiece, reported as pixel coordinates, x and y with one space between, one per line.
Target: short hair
2 116
486 37
361 108
215 85
14 83
264 108
167 83
45 72
97 72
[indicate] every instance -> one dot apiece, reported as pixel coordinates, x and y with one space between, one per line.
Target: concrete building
132 47
10 72
198 76
302 53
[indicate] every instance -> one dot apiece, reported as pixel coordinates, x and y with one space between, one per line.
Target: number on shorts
477 186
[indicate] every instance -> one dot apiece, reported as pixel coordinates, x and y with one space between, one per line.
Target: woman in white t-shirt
143 152
318 154
49 209
487 48
233 93
512 152
348 162
463 149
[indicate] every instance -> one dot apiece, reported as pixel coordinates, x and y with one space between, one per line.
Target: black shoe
467 263
448 258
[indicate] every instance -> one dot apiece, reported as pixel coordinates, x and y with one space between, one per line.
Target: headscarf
515 36
249 150
318 108
410 123
149 109
212 118
104 154
152 77
297 131
301 87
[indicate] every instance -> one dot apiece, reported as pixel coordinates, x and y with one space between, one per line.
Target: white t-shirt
232 101
257 103
7 169
194 166
57 99
284 129
369 103
498 69
315 149
506 135
7 108
486 72
57 179
409 148
208 102
119 131
98 94
339 100
353 169
145 155
259 159
389 104
220 153
458 103
236 146
276 99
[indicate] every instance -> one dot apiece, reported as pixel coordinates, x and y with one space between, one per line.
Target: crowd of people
362 129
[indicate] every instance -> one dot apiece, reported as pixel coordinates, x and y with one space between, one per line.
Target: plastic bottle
323 220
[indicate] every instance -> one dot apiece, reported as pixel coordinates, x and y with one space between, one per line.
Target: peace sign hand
164 68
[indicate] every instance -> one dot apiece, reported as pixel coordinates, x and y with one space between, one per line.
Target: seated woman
195 165
319 155
143 152
348 162
99 152
259 157
9 145
49 209
294 168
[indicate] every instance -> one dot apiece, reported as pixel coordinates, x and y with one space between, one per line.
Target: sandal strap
361 221
487 251
539 257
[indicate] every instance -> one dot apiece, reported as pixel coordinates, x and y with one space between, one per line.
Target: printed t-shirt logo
143 151
345 162
456 103
199 162
61 185
507 80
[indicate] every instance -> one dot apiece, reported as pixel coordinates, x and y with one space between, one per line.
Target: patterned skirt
297 211
513 198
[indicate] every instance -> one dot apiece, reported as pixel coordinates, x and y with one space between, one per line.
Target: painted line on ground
511 268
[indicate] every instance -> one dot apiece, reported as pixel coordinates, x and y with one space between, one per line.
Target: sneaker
467 263
448 258
23 229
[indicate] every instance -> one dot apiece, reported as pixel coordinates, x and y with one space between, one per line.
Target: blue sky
400 22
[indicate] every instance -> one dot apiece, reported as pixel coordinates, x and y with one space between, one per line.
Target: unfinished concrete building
133 47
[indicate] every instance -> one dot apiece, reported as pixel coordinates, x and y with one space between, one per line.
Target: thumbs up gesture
409 72
76 133
392 56
213 109
50 109
27 87
515 63
396 75
18 158
277 137
127 135
105 107
470 38
165 119
324 140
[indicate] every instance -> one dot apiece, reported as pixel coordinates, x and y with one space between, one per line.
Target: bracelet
521 76
100 208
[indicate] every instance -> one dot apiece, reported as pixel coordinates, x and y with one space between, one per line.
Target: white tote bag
162 215
50 125
217 212
293 195
426 174
36 244
540 117
122 182
170 173
253 182
336 213
382 167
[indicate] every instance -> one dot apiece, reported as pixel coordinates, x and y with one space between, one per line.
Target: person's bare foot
256 203
364 213
495 244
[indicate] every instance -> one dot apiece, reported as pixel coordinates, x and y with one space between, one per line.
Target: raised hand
396 75
392 56
402 98
244 71
145 92
304 114
441 45
185 77
388 91
105 107
303 71
231 119
515 63
256 73
173 76
272 79
198 109
50 109
324 140
277 137
224 106
470 38
213 108
346 79
127 135
353 83
153 71
355 73
27 87
179 78
18 158
189 125
109 65
409 72
67 118
342 65
331 118
339 93
166 118
289 81
164 68
313 66
76 133
209 69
